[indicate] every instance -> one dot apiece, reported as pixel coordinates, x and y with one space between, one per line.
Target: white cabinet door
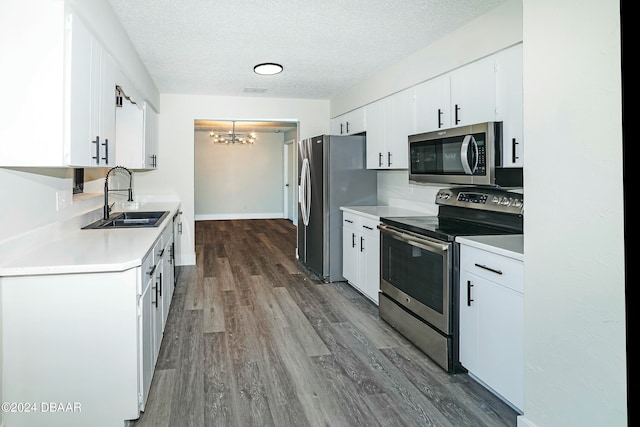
147 362
361 254
130 135
473 93
469 325
491 321
151 133
167 278
500 353
334 125
432 110
389 123
509 104
350 248
177 234
400 126
350 123
157 317
370 259
32 42
376 134
462 97
92 75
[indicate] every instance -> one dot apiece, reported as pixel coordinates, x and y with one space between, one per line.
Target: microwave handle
464 149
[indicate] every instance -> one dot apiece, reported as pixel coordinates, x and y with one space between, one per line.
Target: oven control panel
482 198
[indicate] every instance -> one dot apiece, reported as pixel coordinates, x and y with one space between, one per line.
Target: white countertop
377 212
69 249
511 245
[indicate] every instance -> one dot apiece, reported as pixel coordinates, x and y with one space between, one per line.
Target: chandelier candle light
232 137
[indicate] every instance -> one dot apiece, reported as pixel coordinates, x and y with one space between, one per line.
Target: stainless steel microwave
464 155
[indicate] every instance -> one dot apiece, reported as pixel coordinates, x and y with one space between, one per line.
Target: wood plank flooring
252 340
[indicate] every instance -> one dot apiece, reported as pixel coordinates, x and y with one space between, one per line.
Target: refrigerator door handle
307 193
302 191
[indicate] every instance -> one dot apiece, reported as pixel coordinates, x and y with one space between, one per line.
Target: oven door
416 273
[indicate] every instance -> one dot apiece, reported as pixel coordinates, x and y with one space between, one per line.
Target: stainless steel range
419 268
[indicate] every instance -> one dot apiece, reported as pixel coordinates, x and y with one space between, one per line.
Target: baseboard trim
185 260
522 421
268 215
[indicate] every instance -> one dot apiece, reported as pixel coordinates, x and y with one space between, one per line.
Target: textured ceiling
211 46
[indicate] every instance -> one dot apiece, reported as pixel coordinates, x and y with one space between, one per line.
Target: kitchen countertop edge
377 212
510 245
73 250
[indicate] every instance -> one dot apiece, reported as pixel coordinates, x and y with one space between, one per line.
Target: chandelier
231 137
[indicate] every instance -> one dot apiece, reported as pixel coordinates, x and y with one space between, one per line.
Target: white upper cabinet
137 135
60 89
473 93
350 123
433 104
32 69
389 123
509 104
92 99
151 133
462 97
130 134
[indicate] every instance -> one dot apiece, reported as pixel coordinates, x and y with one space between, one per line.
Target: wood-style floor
252 340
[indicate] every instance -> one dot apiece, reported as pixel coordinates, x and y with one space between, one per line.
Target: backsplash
394 189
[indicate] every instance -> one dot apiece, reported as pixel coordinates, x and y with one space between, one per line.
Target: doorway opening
243 169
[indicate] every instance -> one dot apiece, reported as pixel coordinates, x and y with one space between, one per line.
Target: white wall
575 351
235 181
394 190
175 173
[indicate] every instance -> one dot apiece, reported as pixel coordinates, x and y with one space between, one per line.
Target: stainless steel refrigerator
331 173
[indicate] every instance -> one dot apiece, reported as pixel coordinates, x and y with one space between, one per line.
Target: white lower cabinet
90 340
361 254
491 321
146 337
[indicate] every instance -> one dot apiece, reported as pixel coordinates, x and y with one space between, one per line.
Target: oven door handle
425 244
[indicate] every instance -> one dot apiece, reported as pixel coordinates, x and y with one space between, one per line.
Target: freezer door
315 235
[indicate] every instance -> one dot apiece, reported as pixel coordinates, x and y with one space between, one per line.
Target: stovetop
467 211
445 228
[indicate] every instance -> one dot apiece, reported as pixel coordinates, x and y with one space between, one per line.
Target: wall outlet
63 199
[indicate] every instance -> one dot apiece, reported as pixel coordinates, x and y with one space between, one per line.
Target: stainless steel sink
134 219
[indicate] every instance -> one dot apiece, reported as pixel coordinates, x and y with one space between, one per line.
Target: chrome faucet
107 208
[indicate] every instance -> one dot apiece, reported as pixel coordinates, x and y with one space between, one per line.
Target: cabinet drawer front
369 226
166 236
505 271
350 220
147 264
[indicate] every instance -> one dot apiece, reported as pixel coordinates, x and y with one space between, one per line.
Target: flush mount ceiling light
267 69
